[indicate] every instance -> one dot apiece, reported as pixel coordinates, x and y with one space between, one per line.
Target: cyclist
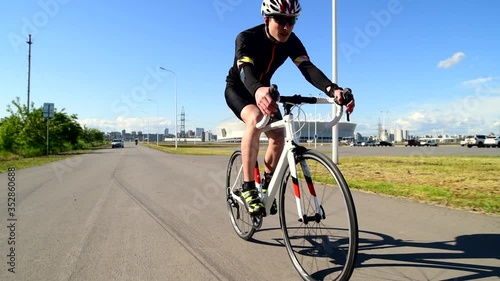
260 51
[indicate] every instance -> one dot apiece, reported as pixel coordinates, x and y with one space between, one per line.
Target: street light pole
148 125
175 81
315 120
335 129
157 116
142 132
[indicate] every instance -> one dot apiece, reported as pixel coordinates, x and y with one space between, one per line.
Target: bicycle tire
240 219
319 252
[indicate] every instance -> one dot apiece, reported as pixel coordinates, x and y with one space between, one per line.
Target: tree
21 133
92 135
64 131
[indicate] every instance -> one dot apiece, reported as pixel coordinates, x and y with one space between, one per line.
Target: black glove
347 96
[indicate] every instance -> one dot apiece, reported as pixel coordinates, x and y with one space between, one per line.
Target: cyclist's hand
338 95
265 102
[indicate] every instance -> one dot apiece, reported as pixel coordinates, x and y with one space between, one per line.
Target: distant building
114 135
199 132
207 136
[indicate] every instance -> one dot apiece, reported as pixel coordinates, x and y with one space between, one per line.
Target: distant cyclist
260 51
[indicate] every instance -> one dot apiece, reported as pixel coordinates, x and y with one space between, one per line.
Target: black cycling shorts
237 97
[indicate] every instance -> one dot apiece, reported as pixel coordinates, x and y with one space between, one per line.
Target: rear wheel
243 224
321 246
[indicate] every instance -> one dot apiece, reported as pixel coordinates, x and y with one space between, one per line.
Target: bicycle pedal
257 222
274 208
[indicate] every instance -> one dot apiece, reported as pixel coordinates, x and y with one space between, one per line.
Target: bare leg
250 140
274 149
250 150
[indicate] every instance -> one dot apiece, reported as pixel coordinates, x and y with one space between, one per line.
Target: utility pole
29 68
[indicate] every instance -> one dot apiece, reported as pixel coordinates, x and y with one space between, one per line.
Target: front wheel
323 243
243 224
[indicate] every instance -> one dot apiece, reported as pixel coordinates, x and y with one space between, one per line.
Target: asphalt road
140 214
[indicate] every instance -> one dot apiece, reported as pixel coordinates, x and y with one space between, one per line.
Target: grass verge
463 182
19 162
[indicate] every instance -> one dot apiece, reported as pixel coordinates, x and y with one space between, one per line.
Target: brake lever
273 91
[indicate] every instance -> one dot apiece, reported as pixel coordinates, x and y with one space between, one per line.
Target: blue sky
426 66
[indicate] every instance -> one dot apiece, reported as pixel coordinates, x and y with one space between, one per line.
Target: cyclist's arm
247 75
245 64
312 74
316 77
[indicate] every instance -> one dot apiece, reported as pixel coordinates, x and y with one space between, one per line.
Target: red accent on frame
256 173
310 185
296 189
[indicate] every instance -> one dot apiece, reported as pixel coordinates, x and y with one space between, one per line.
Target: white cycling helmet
280 7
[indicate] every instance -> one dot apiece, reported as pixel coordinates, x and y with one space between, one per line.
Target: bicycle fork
290 155
319 214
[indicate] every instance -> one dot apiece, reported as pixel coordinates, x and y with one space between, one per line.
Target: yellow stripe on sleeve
246 59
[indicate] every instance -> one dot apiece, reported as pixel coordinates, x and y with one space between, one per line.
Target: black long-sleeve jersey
259 58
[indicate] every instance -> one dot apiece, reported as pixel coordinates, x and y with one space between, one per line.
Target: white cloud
417 116
471 114
478 81
451 61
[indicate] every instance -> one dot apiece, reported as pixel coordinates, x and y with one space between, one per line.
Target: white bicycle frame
287 159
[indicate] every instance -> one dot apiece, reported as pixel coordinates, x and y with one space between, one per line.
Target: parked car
428 143
475 140
356 143
384 143
492 141
117 143
412 143
368 143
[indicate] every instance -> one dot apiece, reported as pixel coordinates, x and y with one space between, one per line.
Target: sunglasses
283 20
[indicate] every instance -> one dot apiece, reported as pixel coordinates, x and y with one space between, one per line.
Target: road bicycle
316 210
